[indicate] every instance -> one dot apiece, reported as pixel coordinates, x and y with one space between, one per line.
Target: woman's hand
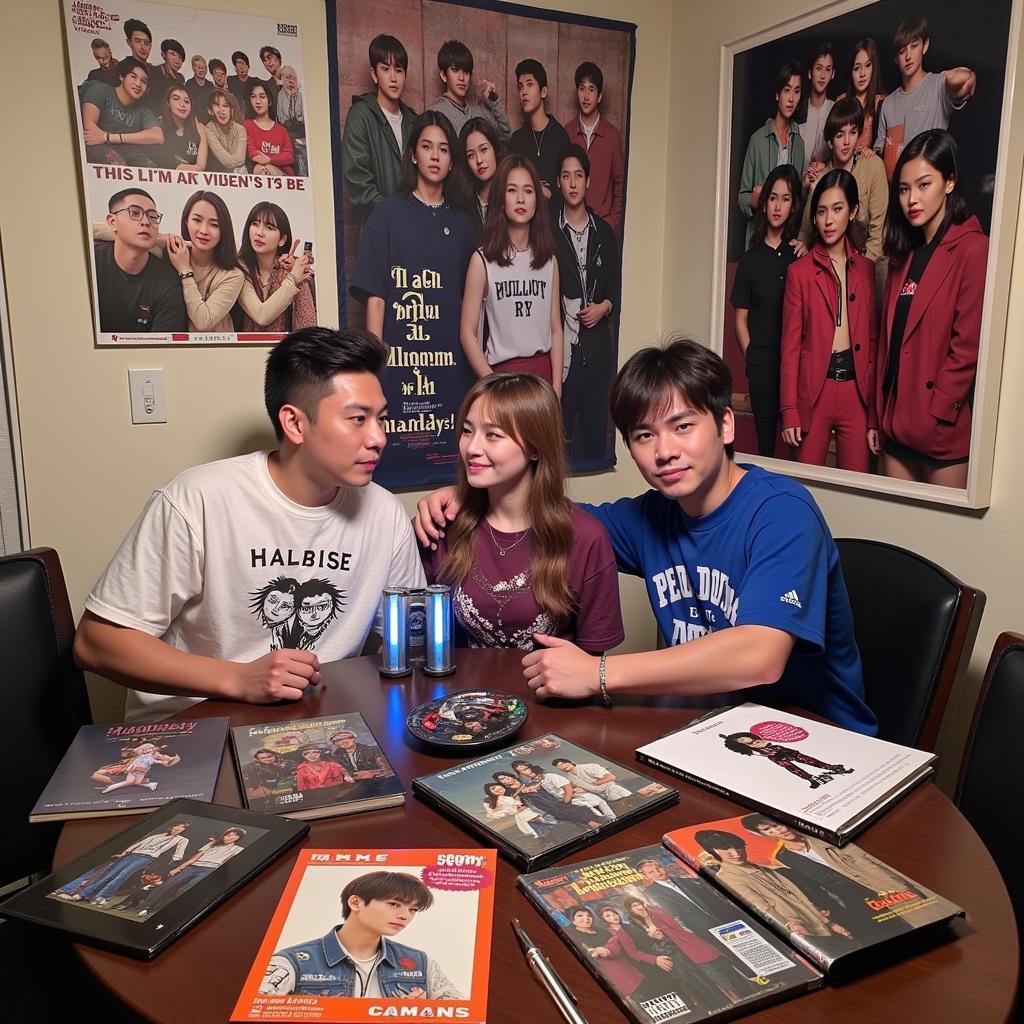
179 253
301 270
793 436
798 247
873 442
664 962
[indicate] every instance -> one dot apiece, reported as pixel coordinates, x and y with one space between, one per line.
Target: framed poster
195 173
889 93
404 243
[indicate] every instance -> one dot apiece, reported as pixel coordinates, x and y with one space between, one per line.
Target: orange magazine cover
365 935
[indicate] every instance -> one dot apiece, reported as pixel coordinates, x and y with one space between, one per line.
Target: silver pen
548 977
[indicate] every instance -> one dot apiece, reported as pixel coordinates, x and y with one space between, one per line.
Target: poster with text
195 173
516 81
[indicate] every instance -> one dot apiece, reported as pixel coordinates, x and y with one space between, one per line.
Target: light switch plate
149 402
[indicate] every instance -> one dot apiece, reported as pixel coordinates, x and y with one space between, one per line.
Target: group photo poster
195 173
918 354
403 261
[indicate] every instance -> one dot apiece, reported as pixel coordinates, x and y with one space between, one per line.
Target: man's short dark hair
133 25
387 885
573 150
384 49
785 73
264 50
301 367
129 64
118 196
455 54
909 30
846 111
651 377
263 750
712 839
217 65
588 71
239 55
562 760
99 44
532 67
752 822
174 46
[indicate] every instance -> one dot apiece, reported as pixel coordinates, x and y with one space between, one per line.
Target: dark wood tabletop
971 976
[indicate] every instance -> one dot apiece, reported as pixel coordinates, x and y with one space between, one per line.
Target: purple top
495 606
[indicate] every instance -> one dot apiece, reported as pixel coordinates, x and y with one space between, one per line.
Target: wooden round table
925 837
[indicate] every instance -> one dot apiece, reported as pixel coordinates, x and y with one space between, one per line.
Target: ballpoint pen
546 974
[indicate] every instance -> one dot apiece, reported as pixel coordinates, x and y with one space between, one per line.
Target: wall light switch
149 403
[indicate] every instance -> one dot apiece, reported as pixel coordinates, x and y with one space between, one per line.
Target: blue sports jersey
764 557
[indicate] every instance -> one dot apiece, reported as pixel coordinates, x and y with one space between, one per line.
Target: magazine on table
820 778
314 768
365 935
836 905
665 944
139 891
543 798
130 768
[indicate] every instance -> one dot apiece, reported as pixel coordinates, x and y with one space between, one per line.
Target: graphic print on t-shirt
711 600
296 613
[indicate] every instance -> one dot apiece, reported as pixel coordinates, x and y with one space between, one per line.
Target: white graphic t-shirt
220 563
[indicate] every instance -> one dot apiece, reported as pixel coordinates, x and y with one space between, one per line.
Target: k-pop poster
481 153
874 140
195 173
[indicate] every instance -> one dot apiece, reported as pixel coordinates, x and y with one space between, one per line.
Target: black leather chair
990 772
915 626
44 701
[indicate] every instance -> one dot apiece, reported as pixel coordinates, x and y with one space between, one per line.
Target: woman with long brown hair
514 277
521 558
865 86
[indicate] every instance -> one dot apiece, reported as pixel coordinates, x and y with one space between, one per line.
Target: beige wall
983 548
88 470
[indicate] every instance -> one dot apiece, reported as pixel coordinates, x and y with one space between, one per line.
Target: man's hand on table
279 675
560 669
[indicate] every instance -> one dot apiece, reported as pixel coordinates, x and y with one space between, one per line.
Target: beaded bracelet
602 681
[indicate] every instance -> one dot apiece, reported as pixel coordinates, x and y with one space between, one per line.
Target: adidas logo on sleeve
791 598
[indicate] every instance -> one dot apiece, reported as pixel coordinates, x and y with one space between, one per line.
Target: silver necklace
538 140
502 551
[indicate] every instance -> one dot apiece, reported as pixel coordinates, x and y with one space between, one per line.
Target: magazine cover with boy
314 768
832 904
663 942
543 798
361 935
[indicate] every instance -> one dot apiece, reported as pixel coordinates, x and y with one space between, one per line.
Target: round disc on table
466 719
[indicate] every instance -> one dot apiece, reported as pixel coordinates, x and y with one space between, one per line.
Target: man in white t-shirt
241 575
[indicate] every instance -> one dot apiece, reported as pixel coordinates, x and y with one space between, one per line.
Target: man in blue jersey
740 568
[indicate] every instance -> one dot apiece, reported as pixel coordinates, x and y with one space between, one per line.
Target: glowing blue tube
440 659
394 655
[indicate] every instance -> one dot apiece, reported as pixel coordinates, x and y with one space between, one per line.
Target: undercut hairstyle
497 246
228 97
793 69
574 150
532 67
847 183
791 226
732 742
455 54
128 64
588 71
217 65
264 50
874 90
124 193
239 55
224 254
939 149
844 112
387 885
526 408
100 44
753 822
133 25
910 29
384 49
423 121
651 378
258 83
301 368
272 216
712 839
173 46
